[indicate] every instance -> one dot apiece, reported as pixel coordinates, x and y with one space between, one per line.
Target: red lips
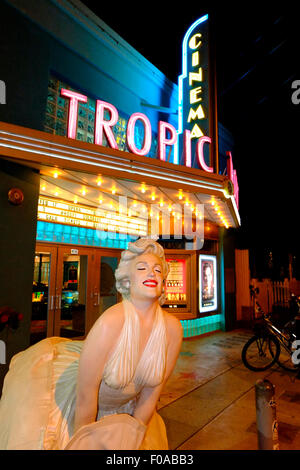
150 283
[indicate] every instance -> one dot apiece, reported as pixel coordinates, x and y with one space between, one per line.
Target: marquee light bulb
55 174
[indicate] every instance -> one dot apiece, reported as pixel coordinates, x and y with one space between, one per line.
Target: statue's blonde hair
137 248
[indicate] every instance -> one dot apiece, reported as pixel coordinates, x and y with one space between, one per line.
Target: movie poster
176 281
207 283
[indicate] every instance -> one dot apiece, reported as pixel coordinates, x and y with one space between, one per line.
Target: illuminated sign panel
193 115
175 287
51 210
208 300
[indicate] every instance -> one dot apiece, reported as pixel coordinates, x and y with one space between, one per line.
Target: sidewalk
209 401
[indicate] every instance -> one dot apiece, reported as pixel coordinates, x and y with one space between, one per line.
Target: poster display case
178 286
208 297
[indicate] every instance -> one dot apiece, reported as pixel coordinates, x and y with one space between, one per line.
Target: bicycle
269 345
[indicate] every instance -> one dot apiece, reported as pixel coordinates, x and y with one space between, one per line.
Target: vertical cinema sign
194 99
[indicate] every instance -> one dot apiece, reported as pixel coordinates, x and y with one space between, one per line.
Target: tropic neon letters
167 134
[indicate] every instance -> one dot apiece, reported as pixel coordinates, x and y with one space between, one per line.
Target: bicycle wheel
285 360
260 352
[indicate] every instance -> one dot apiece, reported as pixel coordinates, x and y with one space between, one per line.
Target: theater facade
97 149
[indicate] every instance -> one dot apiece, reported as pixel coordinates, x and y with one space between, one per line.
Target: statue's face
146 277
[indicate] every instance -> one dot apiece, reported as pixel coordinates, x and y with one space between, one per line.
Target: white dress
39 394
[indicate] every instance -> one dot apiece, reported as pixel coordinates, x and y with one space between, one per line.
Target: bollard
266 422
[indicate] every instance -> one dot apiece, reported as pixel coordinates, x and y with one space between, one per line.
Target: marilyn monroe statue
100 393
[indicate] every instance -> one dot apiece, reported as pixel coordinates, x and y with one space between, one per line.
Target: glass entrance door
73 291
43 292
106 293
72 287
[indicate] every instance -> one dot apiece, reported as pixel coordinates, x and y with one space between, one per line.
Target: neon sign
231 173
167 134
191 142
193 106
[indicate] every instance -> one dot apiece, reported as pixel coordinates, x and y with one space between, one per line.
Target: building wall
89 56
17 247
99 64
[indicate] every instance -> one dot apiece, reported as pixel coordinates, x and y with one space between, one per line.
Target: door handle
97 295
58 301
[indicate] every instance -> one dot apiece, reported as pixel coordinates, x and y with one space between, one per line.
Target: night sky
257 62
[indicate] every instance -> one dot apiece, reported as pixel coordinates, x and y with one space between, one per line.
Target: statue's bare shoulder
174 328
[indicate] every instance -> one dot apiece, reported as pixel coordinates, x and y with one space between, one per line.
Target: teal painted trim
201 326
222 278
59 233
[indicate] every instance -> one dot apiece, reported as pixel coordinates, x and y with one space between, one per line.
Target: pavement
209 401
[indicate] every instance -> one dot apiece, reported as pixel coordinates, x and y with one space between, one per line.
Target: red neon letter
147 134
105 125
231 173
162 138
73 109
187 148
199 152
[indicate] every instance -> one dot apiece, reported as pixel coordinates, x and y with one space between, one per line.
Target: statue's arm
97 346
